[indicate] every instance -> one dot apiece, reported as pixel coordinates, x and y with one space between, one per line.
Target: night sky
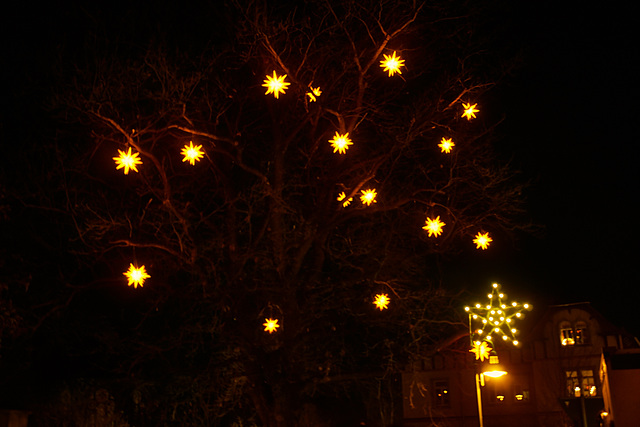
570 127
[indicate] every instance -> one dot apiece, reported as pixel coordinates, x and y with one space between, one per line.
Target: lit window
581 335
566 336
441 392
581 383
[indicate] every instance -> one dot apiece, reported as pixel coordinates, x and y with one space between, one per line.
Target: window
441 393
581 382
570 335
581 335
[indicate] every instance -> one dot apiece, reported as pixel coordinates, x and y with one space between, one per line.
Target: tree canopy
259 226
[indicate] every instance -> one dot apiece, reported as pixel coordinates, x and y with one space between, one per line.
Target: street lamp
495 319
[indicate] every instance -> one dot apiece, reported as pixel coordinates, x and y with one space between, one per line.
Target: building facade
553 376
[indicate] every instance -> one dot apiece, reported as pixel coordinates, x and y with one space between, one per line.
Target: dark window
441 393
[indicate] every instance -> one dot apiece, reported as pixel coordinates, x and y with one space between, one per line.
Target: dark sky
570 127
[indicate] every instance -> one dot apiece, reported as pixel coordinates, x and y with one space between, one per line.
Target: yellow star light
482 240
446 145
340 143
368 196
469 111
315 92
270 325
136 276
495 319
127 161
434 226
275 84
342 196
381 301
481 350
392 64
192 153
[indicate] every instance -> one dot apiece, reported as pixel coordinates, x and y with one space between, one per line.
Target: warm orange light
315 92
446 145
127 161
481 350
136 276
275 84
381 301
192 153
342 197
368 196
434 226
392 64
340 143
482 240
270 325
469 111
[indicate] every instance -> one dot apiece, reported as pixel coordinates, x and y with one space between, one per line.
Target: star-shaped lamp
446 145
192 153
434 226
315 92
270 325
392 64
481 349
381 301
368 196
275 85
482 240
127 161
342 197
469 111
497 318
340 143
136 276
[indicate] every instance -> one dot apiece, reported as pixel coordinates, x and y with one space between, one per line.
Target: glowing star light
342 197
392 64
469 111
497 318
482 240
136 276
368 196
270 325
381 301
192 153
434 226
127 161
315 92
446 145
481 350
340 143
275 84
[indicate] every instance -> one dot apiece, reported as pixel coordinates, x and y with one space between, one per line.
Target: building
553 376
620 377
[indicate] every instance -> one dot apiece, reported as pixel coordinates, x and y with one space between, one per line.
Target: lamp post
496 318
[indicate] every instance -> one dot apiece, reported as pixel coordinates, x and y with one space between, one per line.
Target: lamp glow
275 85
392 64
136 276
434 227
127 161
470 111
340 143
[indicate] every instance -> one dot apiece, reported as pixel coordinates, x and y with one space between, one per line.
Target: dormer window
573 334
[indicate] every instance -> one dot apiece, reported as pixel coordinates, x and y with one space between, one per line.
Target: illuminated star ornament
482 240
469 111
342 197
192 153
340 143
392 64
434 226
368 196
136 276
315 92
482 350
270 325
497 318
446 145
127 161
381 301
275 84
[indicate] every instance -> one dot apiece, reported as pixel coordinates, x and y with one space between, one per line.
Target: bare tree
255 230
